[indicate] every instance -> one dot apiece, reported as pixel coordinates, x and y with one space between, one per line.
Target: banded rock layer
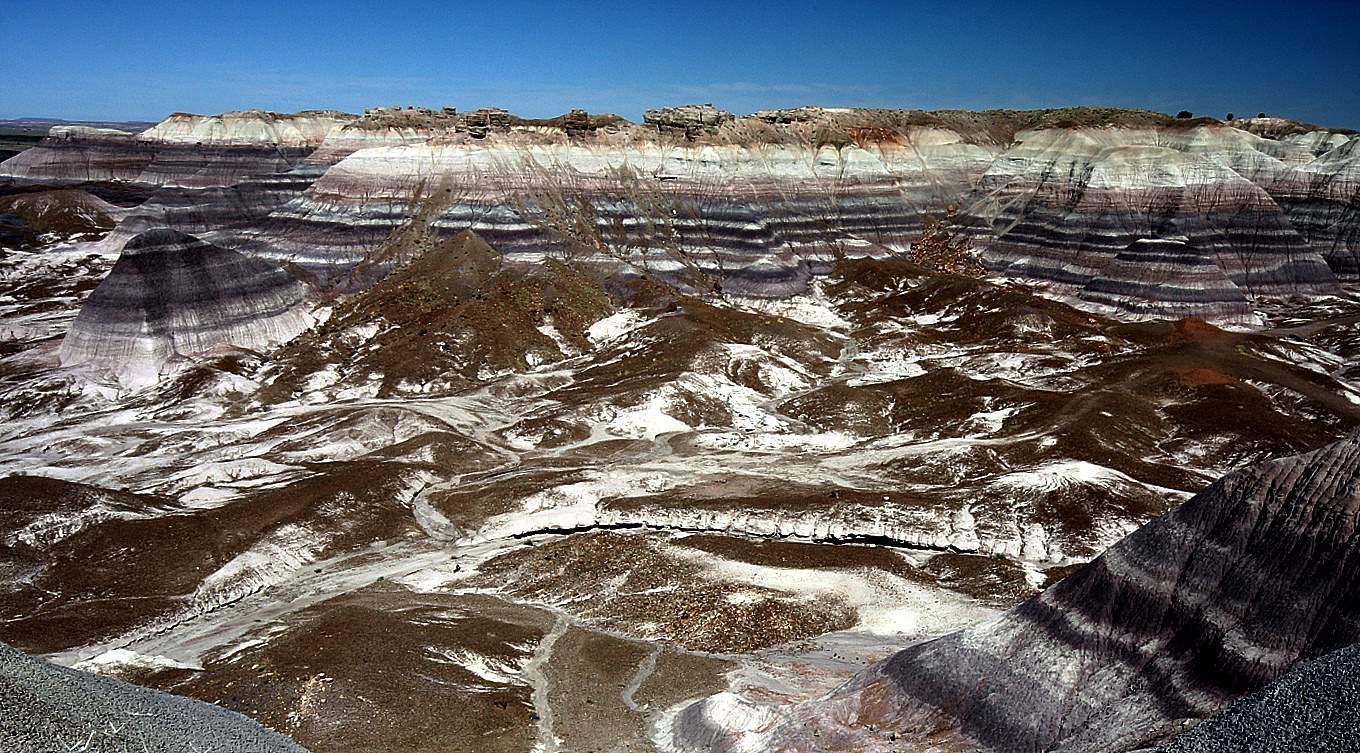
191 151
762 206
171 294
1084 209
1126 213
76 154
194 151
1199 607
757 216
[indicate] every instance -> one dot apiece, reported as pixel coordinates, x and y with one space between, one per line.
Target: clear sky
146 58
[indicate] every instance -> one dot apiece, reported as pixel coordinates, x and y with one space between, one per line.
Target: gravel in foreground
1314 708
48 708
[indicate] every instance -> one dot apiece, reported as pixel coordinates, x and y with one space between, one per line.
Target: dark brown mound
1139 390
454 315
634 584
69 214
27 502
995 581
683 337
869 290
385 669
469 503
121 573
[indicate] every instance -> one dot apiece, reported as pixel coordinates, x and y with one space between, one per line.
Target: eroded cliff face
192 151
1203 605
1126 213
1163 219
246 128
1151 222
195 151
1320 199
756 218
78 154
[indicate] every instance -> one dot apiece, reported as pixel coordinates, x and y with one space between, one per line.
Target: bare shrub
635 223
938 249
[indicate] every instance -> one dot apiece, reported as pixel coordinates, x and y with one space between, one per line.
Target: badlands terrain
805 430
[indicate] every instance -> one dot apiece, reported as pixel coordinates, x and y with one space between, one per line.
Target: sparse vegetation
940 249
656 226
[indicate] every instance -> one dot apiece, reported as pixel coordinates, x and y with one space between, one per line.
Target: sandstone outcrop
689 118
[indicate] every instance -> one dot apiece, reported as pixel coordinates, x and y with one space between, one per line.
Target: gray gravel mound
45 707
1314 708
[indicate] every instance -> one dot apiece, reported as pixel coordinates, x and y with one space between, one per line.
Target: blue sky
145 59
